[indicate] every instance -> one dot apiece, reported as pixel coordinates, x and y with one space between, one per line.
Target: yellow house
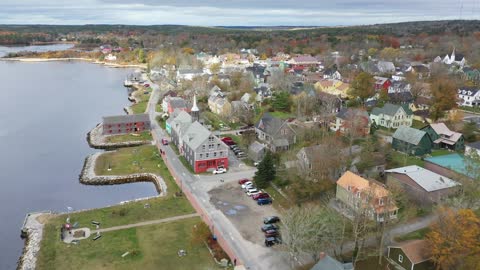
333 87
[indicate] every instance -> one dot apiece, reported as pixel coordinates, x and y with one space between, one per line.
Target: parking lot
242 211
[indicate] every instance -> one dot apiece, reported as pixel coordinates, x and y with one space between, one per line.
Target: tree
469 131
372 51
281 101
215 68
389 53
141 56
454 238
362 86
266 171
444 92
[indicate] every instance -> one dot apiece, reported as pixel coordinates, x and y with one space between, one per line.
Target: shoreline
90 60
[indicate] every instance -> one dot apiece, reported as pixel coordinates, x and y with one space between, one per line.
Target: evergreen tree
266 172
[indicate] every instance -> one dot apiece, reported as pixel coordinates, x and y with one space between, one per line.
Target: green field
399 159
143 136
419 234
142 95
150 247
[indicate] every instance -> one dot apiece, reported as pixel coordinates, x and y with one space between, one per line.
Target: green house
412 141
443 137
410 255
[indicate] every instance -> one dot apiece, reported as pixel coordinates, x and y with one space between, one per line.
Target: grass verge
143 136
418 234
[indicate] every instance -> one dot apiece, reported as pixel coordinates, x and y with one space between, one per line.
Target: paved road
146 223
253 256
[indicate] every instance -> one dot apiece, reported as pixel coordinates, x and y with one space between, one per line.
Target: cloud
233 12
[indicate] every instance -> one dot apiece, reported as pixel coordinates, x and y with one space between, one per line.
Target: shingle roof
195 135
417 251
442 129
129 118
269 124
388 109
428 180
329 263
408 134
177 102
256 147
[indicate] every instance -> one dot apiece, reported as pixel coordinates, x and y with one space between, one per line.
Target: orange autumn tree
455 239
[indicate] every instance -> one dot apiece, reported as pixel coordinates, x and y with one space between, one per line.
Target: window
215 154
380 201
201 155
358 194
207 155
400 258
203 147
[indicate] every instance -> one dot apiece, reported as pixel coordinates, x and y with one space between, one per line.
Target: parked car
256 163
250 188
261 196
219 171
271 219
243 181
247 184
264 201
164 141
270 241
252 192
146 85
271 233
240 154
233 146
267 227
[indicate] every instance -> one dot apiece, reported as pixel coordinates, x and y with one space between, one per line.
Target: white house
189 74
332 74
468 97
110 57
392 116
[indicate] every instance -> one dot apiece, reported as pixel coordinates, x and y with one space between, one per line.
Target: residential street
253 256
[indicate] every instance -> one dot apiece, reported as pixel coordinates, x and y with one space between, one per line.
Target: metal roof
428 180
408 134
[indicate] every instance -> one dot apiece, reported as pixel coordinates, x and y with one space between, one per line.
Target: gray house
328 263
177 127
275 132
256 151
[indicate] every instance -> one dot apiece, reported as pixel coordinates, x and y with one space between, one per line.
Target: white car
250 188
252 192
247 184
256 163
219 171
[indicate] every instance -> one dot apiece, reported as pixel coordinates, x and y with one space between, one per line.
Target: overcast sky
233 12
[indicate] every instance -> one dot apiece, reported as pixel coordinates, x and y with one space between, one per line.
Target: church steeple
195 112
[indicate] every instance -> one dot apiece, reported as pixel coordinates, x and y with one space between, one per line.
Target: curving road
252 256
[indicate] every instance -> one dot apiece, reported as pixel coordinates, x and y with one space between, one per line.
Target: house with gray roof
328 263
421 185
202 149
275 132
257 151
177 126
412 141
385 67
392 116
122 124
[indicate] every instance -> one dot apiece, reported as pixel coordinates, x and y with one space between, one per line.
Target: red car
243 181
164 141
260 196
146 85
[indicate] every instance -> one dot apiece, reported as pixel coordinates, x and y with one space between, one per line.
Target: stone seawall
96 140
33 232
88 177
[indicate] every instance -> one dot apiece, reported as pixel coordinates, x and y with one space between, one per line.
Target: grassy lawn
150 247
281 115
143 136
161 122
139 108
158 108
399 159
419 234
278 199
440 152
142 95
418 124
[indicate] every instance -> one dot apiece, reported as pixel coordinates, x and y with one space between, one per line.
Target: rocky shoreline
96 140
34 232
88 177
108 64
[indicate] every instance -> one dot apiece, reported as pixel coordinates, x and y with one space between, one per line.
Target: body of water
36 48
47 110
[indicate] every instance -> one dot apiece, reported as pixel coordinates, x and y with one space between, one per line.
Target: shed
411 141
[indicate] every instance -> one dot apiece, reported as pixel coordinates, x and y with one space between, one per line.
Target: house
381 83
403 98
328 263
316 161
412 141
475 147
188 73
176 126
110 57
453 59
218 102
386 67
365 196
122 124
257 151
443 137
169 104
202 149
333 87
275 132
399 87
468 96
331 73
303 62
421 71
410 255
391 116
348 118
421 185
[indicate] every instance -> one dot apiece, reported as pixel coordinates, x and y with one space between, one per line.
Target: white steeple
195 107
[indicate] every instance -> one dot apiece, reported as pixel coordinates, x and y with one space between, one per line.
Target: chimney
322 255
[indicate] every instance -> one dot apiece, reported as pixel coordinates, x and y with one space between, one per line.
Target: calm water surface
46 110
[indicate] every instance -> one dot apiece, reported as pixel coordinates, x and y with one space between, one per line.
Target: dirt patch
242 211
43 219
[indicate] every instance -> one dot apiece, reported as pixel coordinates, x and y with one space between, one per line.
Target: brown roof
417 251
